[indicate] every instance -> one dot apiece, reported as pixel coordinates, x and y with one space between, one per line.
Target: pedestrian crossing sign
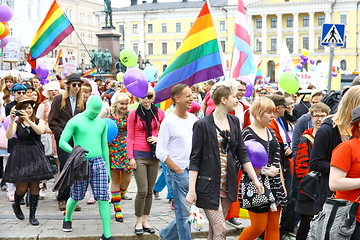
333 34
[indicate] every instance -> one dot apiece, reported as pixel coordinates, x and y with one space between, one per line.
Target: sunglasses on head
76 84
149 96
22 93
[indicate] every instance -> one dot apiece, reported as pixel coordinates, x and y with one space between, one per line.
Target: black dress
27 162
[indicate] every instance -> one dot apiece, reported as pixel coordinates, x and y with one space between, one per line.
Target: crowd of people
212 122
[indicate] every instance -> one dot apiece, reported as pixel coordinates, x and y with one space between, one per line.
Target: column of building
263 35
296 32
279 33
311 32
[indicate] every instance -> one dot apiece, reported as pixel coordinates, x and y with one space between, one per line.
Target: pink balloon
7 122
135 82
6 13
42 71
4 42
257 153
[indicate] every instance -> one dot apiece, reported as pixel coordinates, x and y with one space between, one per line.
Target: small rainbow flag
59 60
91 72
258 75
197 59
54 28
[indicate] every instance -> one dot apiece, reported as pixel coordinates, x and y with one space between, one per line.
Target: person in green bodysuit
90 132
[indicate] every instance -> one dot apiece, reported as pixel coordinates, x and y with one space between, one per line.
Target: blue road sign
333 34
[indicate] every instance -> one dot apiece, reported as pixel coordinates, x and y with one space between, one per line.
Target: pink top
137 132
210 105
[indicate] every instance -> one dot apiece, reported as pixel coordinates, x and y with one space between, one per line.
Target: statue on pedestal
92 58
99 55
107 61
108 13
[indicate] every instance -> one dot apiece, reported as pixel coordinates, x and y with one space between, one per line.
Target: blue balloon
151 73
112 129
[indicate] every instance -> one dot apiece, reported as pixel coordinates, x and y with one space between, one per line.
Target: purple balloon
7 122
302 62
42 71
135 82
334 74
245 79
6 13
257 153
302 57
249 90
287 69
312 61
299 66
305 59
3 42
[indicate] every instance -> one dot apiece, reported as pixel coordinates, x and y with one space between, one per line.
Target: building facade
156 29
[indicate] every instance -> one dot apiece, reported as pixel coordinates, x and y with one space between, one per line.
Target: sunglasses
20 93
150 96
76 84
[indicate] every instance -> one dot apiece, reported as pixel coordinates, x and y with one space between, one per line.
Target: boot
27 196
34 199
16 207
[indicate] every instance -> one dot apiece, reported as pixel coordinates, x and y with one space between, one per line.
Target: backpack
332 101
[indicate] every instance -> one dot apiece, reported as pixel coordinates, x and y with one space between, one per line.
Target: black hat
355 115
279 100
74 77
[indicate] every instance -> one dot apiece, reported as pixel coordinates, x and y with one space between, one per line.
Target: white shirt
175 139
73 104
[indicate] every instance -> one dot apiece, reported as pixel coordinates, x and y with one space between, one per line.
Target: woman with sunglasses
143 127
27 164
65 106
218 151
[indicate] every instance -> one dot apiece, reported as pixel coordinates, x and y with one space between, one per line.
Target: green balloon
128 57
289 82
0 53
119 76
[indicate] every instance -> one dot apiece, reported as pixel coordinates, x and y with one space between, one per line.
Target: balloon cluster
333 71
6 15
304 58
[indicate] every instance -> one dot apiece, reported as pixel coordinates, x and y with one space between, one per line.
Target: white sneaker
42 194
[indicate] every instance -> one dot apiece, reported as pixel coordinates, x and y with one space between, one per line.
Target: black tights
21 188
304 227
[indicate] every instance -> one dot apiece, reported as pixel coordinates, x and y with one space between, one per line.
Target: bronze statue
108 13
107 61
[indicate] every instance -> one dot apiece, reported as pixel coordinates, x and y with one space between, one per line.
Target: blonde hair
79 98
350 100
262 105
7 92
121 97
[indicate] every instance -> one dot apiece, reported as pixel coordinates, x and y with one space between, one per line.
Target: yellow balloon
119 76
2 28
305 52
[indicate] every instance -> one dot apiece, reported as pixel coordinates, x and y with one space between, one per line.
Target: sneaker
42 194
3 186
77 208
91 200
235 222
10 196
157 195
126 197
104 238
67 226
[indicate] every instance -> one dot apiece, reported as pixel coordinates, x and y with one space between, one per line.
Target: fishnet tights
216 218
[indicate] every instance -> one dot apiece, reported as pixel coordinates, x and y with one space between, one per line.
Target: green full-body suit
90 132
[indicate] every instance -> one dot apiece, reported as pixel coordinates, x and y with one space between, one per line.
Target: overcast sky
125 3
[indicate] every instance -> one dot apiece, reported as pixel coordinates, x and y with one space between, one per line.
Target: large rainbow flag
54 28
197 59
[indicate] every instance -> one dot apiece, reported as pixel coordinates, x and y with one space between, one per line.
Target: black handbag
310 183
53 165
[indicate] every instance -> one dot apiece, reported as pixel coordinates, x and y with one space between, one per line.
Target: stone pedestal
108 38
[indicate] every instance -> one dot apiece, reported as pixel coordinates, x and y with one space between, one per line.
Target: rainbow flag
242 60
197 59
258 75
54 28
91 72
59 60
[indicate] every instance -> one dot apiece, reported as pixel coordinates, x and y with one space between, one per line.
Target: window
321 20
136 48
38 11
135 28
273 22
177 45
290 44
90 19
306 42
271 70
343 65
150 28
164 48
222 26
319 43
289 21
273 44
150 48
178 27
223 45
164 27
305 21
344 42
343 18
258 23
121 30
258 45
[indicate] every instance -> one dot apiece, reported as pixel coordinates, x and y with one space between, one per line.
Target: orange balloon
6 31
6 24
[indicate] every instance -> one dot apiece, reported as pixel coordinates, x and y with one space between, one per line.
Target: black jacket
75 169
205 158
326 139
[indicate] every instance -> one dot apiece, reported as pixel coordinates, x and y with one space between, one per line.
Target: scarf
147 116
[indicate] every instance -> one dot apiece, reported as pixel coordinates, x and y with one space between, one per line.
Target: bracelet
263 170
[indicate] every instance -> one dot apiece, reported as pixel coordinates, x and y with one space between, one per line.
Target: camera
18 113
